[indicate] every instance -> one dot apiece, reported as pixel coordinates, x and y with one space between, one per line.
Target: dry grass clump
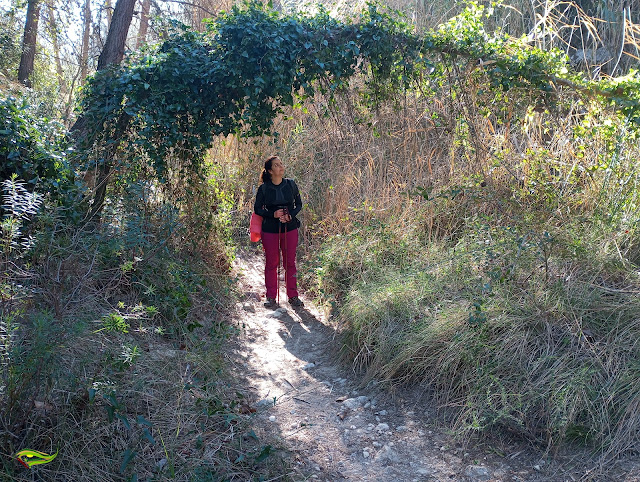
529 329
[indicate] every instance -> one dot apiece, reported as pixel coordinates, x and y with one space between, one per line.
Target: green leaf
146 434
129 455
143 421
264 453
124 419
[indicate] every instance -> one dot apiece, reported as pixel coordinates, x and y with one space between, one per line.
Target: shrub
36 151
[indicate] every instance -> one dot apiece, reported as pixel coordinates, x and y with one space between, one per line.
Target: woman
278 202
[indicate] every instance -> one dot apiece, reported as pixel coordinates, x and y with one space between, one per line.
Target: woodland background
471 217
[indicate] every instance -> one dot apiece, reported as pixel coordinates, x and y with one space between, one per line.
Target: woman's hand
285 219
279 213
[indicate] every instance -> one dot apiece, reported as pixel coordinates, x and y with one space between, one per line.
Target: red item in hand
255 227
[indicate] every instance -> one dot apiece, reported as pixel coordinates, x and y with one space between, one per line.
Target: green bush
36 151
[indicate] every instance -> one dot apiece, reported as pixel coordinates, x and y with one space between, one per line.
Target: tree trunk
53 31
29 43
84 53
113 51
144 23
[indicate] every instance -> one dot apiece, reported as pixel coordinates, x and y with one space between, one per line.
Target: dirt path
336 431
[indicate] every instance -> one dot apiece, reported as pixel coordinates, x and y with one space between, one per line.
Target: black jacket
270 198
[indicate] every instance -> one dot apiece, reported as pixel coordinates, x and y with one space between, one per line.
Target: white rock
248 307
161 463
278 314
477 472
382 427
353 403
365 454
382 413
387 455
308 365
401 428
537 468
265 403
272 418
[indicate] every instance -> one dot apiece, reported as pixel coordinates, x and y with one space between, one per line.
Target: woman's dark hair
266 175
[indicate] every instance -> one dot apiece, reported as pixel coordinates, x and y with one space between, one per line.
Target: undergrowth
112 331
117 365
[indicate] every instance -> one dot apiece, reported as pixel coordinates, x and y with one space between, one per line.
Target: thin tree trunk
104 169
29 43
113 51
84 53
110 12
144 23
53 31
69 104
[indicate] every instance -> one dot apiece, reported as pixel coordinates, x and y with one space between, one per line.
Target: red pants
288 245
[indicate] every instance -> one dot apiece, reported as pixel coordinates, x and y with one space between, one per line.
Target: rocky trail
334 429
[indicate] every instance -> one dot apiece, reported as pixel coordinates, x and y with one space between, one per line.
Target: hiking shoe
270 303
295 301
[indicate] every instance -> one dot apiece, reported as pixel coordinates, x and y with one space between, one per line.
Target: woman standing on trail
278 202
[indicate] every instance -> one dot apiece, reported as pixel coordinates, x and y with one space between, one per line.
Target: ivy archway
171 100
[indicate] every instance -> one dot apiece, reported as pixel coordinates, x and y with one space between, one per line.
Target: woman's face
277 168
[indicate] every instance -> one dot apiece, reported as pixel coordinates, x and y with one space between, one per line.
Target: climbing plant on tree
167 103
